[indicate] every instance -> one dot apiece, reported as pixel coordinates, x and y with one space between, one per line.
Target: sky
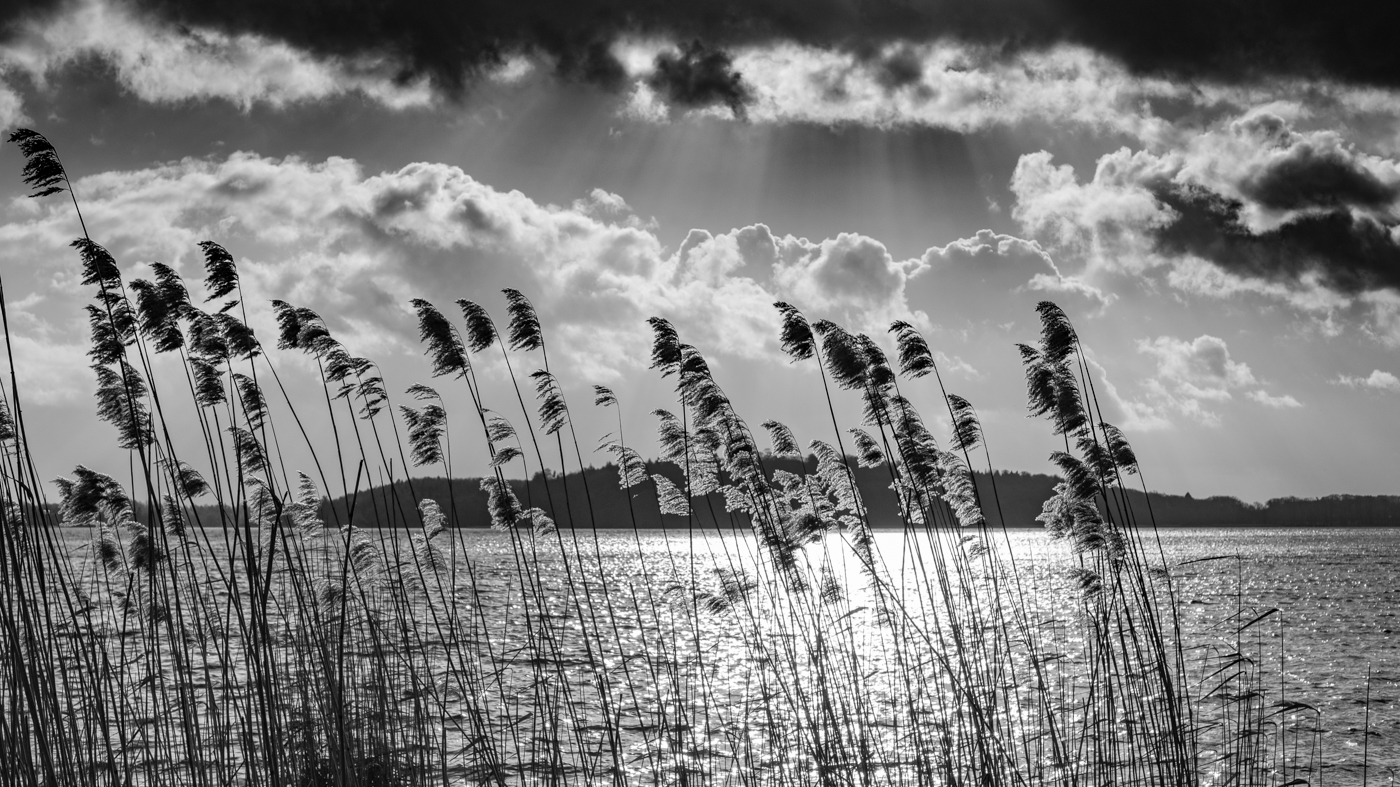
1211 191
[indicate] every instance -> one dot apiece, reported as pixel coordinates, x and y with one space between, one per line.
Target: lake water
1338 592
718 664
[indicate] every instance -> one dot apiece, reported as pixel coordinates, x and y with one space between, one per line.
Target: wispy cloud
1277 402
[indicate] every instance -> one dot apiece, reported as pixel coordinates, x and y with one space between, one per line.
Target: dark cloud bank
450 40
1344 233
1341 229
1347 253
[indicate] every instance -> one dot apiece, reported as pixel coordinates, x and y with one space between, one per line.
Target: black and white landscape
706 393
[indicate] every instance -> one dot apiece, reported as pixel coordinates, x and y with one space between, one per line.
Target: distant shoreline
1015 498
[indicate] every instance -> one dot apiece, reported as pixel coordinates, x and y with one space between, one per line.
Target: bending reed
227 623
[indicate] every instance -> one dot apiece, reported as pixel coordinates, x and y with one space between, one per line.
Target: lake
697 670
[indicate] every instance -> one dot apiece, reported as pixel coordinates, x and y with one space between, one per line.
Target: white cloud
957 86
1133 415
1201 368
1279 173
601 202
1006 260
1377 380
1113 223
643 104
356 248
1275 172
956 365
1190 375
1106 221
847 273
11 106
1277 402
970 87
50 372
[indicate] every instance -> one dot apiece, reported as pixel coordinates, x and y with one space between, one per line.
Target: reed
228 623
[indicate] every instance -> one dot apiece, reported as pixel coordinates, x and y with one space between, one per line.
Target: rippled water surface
1338 592
1313 609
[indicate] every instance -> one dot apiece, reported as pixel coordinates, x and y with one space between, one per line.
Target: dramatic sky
1210 189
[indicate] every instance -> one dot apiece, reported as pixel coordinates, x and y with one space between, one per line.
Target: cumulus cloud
1191 376
1201 368
602 202
1107 221
1377 380
1252 206
357 247
998 261
847 273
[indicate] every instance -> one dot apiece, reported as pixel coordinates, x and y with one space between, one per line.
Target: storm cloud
1256 198
1346 253
698 77
452 42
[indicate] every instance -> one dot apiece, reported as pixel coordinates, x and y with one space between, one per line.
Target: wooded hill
1013 497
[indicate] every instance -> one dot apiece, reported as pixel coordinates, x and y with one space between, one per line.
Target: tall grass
227 625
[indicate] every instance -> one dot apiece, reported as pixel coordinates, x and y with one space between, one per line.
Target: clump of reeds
230 623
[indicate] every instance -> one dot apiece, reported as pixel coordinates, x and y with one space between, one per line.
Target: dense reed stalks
224 623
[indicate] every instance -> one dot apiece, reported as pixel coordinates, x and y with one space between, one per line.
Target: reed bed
227 625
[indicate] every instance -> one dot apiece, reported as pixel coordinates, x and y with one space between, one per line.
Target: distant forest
1018 498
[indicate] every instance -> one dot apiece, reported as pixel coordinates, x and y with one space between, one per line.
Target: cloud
50 372
1276 402
11 108
697 77
1251 206
847 271
1256 199
1133 415
952 64
602 202
1201 368
989 259
448 42
1192 375
1377 381
357 247
163 62
1340 251
1108 221
1311 171
949 84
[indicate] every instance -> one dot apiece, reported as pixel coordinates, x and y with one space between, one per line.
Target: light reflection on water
1335 589
1338 595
